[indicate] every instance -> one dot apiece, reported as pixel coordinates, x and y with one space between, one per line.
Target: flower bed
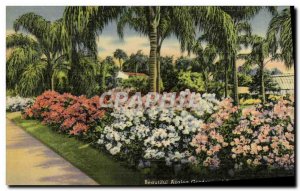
18 103
213 135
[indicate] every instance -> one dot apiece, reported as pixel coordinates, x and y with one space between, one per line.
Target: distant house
126 75
285 83
243 90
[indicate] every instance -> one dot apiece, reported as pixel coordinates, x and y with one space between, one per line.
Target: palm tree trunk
49 73
226 78
120 64
262 83
158 69
103 84
52 82
235 81
153 51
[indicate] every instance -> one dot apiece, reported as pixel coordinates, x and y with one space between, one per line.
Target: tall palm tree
145 20
260 55
83 25
180 21
240 15
37 58
121 56
280 32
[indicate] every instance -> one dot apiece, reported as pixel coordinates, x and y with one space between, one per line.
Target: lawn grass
99 166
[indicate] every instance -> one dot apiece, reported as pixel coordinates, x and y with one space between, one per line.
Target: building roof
126 75
284 81
134 74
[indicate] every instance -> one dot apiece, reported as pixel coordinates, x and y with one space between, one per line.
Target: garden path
29 162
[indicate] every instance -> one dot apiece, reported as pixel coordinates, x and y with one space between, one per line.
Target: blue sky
108 41
259 22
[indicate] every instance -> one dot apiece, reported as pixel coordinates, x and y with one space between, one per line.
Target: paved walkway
29 162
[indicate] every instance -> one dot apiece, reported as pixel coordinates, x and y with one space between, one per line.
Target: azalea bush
265 136
18 103
67 113
156 135
255 138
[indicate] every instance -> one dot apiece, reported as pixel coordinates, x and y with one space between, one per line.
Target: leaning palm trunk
235 80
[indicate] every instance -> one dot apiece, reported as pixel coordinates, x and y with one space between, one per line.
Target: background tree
240 16
107 74
205 62
260 56
37 59
270 85
83 25
184 64
121 56
170 74
137 63
180 21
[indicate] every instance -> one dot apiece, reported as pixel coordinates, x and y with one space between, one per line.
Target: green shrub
138 83
190 80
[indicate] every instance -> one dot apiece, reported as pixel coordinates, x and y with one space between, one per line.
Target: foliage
184 63
250 101
18 103
83 77
121 56
280 34
107 75
274 98
36 58
170 74
244 79
189 80
270 85
137 63
138 83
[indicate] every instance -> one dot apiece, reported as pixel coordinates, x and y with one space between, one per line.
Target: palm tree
205 61
145 20
179 21
37 58
280 32
83 25
137 62
240 15
260 55
121 56
108 61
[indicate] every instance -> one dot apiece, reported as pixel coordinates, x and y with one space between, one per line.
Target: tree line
54 54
